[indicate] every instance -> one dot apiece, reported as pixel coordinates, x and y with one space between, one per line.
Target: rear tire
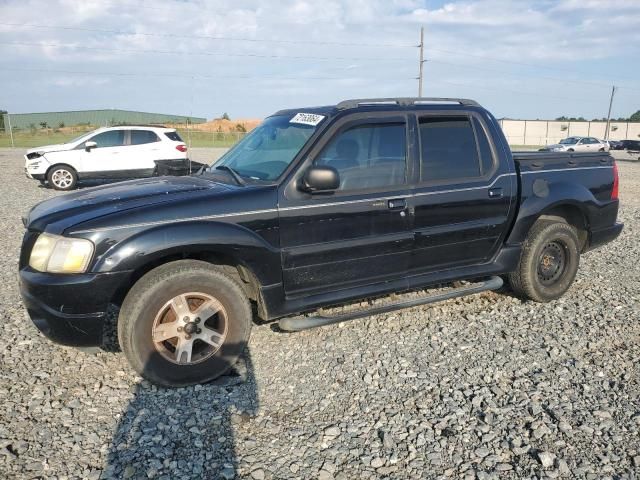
62 177
549 262
183 323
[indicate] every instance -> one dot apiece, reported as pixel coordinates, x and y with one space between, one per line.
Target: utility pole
421 61
10 129
606 132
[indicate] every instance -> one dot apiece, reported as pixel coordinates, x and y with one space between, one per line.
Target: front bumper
604 235
70 309
35 176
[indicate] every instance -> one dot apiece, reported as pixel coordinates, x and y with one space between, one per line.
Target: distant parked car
633 145
109 152
578 144
615 145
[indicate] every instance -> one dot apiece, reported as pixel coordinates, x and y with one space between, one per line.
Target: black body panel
305 250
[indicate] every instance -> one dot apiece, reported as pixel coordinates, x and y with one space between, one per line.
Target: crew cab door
466 189
360 233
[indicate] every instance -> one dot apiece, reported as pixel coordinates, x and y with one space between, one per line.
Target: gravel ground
480 387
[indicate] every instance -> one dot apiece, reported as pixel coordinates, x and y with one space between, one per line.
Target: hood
49 148
60 212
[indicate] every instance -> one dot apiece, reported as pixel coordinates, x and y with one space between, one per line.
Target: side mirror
319 179
89 145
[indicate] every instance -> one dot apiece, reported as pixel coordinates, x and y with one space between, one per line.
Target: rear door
361 233
144 148
462 202
583 145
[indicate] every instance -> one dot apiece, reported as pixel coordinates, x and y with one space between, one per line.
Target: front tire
184 323
62 177
549 262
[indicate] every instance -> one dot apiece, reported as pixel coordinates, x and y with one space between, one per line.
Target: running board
296 324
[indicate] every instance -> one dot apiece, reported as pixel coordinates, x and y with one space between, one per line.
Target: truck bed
537 161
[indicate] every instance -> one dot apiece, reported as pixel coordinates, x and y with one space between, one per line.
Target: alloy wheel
190 328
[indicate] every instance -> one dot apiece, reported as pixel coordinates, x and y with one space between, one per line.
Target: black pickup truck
315 207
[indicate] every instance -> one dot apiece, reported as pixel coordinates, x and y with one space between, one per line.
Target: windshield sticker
307 119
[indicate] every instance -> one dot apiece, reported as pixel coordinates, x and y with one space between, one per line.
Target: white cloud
582 39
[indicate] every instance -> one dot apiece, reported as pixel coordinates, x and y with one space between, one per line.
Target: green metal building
99 118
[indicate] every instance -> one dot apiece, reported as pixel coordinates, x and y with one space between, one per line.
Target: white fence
546 132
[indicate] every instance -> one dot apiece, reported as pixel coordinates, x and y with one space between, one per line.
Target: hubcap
190 328
552 263
62 178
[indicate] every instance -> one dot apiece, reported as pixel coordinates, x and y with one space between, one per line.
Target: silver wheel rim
190 328
62 178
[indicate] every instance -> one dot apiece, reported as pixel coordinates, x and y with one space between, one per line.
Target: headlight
56 254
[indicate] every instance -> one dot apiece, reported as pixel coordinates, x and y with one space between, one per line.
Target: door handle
495 192
397 204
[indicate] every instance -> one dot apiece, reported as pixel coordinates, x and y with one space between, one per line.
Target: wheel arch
60 164
239 252
571 214
566 202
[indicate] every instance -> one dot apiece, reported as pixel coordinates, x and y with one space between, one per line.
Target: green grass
40 138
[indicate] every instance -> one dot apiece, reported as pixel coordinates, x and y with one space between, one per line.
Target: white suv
110 152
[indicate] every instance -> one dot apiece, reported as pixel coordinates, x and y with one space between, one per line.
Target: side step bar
296 324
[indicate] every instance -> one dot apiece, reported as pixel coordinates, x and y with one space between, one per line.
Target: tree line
633 118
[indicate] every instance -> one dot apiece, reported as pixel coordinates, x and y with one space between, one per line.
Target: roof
380 102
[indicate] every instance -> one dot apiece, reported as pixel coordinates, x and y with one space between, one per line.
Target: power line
188 76
506 90
527 75
206 37
514 62
301 57
203 53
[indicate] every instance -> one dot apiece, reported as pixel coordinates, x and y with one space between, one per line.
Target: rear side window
486 157
448 148
140 137
173 136
368 156
112 138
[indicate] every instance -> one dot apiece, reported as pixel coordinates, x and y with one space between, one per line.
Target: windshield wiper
236 176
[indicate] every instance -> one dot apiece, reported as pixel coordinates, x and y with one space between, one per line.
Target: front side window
266 152
368 156
569 141
448 149
140 137
112 138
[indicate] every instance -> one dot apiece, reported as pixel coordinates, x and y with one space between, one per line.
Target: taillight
614 190
181 148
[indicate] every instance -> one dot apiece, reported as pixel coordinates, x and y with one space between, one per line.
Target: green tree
225 116
2 112
635 117
240 127
43 125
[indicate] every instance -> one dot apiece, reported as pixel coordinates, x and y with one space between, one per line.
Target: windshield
569 141
84 135
269 149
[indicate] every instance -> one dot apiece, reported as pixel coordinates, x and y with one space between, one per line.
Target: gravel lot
486 386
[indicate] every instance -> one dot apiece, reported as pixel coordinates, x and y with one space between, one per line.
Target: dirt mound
221 125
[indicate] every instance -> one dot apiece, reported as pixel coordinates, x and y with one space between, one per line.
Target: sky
521 59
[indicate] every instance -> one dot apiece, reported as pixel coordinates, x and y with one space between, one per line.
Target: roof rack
403 101
146 125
